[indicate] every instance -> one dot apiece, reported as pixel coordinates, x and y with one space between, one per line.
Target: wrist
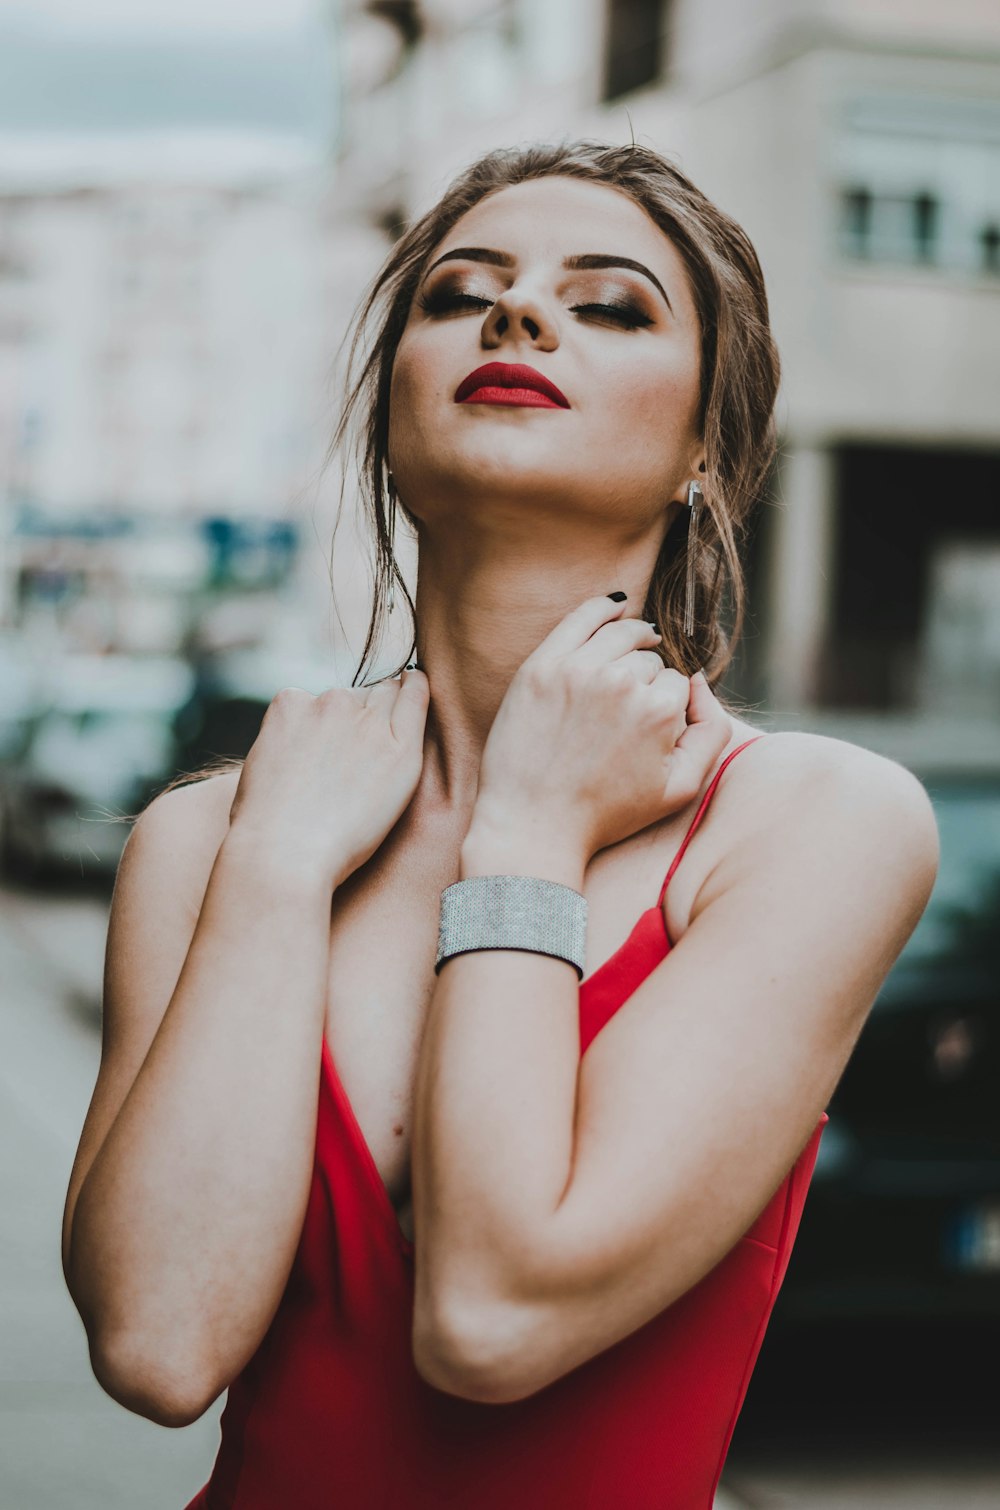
502 844
272 856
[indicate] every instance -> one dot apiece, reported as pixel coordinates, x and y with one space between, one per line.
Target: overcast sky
110 65
182 17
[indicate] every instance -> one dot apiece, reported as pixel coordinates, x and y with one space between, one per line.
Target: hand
595 738
328 776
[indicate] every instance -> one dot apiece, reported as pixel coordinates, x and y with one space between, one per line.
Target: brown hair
739 381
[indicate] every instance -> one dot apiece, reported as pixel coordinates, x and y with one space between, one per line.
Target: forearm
495 1101
187 1222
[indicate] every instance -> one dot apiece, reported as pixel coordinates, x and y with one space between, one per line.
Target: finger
409 713
368 690
642 665
709 729
611 641
377 692
579 624
671 689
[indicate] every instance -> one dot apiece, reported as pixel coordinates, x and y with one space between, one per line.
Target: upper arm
159 888
698 1096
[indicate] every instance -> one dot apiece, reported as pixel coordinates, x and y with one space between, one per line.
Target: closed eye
625 316
443 300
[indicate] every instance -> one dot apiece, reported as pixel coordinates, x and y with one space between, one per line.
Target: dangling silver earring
695 500
392 540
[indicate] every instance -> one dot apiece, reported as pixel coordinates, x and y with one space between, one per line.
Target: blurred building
858 141
170 323
164 354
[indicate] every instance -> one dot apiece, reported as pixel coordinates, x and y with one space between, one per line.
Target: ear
696 469
696 464
682 495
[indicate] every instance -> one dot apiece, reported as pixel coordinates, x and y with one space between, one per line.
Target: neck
480 613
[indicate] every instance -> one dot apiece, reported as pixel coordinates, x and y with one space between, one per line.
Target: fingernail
618 597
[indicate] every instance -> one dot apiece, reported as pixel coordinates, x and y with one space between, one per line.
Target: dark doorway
635 46
894 507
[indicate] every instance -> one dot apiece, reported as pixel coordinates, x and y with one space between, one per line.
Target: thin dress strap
700 813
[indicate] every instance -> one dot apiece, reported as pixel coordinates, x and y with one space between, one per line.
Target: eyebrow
585 260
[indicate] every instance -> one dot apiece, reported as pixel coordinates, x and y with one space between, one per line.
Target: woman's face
618 337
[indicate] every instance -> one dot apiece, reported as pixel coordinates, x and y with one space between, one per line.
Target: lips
510 383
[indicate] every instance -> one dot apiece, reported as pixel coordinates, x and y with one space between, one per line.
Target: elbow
491 1362
164 1380
150 1382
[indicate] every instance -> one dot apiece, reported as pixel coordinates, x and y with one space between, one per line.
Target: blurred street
64 1445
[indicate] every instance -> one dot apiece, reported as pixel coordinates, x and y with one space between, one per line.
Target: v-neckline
339 1091
336 1085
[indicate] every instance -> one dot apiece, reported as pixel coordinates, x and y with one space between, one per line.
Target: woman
523 1248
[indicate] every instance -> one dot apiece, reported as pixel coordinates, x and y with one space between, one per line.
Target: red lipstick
510 383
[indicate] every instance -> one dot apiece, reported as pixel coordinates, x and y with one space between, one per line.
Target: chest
383 942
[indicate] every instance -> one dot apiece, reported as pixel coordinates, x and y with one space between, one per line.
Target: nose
520 313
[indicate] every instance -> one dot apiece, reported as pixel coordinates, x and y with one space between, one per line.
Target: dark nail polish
618 597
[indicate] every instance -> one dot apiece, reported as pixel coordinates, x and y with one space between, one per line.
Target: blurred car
100 743
232 693
902 1219
21 677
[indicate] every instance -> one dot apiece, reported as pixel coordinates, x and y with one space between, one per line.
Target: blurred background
192 199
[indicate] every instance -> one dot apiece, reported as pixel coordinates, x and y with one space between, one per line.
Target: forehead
555 217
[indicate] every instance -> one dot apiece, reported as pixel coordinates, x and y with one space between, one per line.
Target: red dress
331 1414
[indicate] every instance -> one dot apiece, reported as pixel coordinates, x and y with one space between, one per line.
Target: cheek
417 391
407 390
426 356
650 411
409 378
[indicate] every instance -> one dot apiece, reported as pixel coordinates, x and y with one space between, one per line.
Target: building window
634 52
917 182
856 221
899 228
925 227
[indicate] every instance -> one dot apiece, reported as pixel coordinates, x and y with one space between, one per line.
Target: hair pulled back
739 381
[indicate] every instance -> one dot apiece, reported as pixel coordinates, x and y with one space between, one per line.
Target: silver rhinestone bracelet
513 912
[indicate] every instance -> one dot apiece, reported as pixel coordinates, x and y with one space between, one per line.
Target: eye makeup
584 260
616 308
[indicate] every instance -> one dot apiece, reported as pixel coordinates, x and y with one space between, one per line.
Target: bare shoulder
203 795
792 765
169 855
829 806
174 842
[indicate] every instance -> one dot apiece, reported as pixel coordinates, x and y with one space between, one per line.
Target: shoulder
801 767
177 835
204 798
832 808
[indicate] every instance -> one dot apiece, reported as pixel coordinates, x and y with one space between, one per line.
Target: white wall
175 346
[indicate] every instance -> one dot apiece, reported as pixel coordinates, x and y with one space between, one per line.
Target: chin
520 484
